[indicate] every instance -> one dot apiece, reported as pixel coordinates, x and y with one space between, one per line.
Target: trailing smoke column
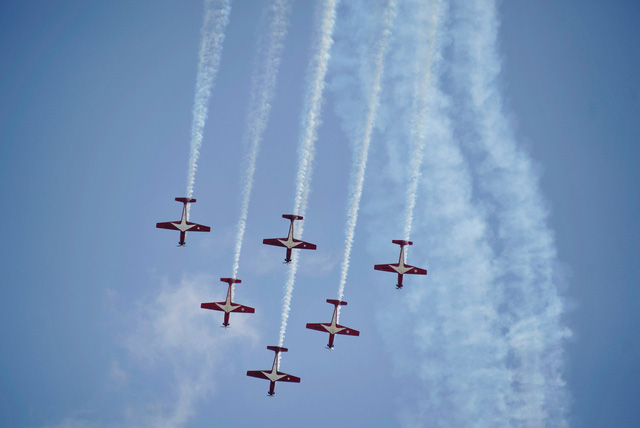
310 121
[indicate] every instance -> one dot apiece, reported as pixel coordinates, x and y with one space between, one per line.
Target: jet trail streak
420 110
216 17
447 340
360 158
311 119
263 85
525 262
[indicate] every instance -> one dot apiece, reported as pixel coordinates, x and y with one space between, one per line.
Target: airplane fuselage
401 268
289 242
273 375
333 328
183 226
228 306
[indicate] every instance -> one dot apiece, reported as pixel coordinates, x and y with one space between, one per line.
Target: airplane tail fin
336 302
185 200
292 216
277 348
402 242
231 280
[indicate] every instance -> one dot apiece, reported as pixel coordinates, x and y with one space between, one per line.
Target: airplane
184 224
274 375
289 242
333 328
228 306
400 268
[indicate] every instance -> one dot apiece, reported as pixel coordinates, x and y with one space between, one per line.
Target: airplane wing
317 326
386 268
245 309
347 331
305 245
197 227
213 306
416 270
274 241
258 374
287 378
167 225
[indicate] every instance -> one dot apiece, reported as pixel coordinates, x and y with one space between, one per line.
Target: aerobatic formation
396 70
289 243
262 91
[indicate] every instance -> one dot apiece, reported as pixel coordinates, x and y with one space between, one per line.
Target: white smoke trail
311 118
216 17
527 256
420 110
447 340
360 157
263 86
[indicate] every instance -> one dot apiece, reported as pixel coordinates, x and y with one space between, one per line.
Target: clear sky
526 217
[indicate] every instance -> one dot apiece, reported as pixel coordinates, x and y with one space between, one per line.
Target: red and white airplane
274 375
228 306
333 328
289 242
184 224
400 268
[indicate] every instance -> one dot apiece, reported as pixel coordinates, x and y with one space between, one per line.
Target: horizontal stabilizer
336 302
292 216
277 348
185 200
231 280
401 242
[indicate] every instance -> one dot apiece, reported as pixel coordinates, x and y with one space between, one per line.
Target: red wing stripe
316 326
386 268
348 331
275 242
416 271
245 309
198 228
287 378
257 373
166 225
212 306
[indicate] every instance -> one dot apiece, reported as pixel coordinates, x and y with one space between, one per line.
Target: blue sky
531 244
